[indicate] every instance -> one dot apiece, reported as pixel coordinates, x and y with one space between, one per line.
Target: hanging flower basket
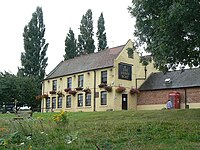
45 96
102 85
108 88
79 88
59 93
52 92
87 90
72 92
120 89
134 91
67 89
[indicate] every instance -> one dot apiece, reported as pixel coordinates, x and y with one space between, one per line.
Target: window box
134 91
67 89
120 89
59 93
87 90
108 88
79 88
44 95
52 92
72 92
102 85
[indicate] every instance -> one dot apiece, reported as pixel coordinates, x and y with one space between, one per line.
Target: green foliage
34 60
85 39
70 46
160 129
170 30
20 89
101 34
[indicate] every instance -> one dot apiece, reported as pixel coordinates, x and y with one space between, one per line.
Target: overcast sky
59 16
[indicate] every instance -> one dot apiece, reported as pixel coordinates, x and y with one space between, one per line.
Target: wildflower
28 137
21 144
30 147
42 132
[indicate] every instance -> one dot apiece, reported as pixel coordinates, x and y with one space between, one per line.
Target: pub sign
125 71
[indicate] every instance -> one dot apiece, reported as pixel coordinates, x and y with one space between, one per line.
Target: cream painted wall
114 100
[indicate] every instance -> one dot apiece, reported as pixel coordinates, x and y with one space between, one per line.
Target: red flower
133 91
102 85
120 89
73 92
67 89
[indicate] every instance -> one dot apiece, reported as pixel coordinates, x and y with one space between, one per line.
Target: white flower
28 137
21 144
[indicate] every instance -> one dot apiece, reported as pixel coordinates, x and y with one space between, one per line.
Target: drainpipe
94 90
145 76
185 97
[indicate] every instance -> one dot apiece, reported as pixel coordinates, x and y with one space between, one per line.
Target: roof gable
173 79
87 62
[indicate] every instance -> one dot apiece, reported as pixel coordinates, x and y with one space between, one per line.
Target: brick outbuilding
154 92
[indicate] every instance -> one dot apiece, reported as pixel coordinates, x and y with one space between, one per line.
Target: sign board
125 71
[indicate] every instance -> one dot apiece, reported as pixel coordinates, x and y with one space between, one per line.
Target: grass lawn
123 130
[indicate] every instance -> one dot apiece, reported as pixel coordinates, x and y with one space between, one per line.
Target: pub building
101 81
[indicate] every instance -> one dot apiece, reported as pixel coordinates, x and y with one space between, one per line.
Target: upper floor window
80 81
54 88
69 82
88 99
103 98
59 102
68 101
104 77
80 100
53 102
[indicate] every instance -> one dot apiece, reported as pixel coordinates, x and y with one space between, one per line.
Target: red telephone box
175 99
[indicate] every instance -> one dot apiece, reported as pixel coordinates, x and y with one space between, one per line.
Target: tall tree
101 34
70 46
85 39
34 60
170 30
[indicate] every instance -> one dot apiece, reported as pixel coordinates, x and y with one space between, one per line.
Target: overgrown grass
127 130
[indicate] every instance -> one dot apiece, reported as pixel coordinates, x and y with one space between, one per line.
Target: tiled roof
87 62
173 79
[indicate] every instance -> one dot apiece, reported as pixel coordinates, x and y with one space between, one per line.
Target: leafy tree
34 60
20 89
101 34
85 40
170 30
70 46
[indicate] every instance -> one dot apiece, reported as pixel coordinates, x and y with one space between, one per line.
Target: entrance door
124 102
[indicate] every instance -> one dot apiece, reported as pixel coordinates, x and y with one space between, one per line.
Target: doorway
124 102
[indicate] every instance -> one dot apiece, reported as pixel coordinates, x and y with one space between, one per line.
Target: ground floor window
59 102
88 99
103 98
48 103
53 102
80 100
68 101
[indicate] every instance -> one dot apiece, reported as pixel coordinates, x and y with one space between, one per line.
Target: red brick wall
161 96
193 95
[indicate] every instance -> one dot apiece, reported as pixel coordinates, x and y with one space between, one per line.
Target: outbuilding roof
93 61
172 79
